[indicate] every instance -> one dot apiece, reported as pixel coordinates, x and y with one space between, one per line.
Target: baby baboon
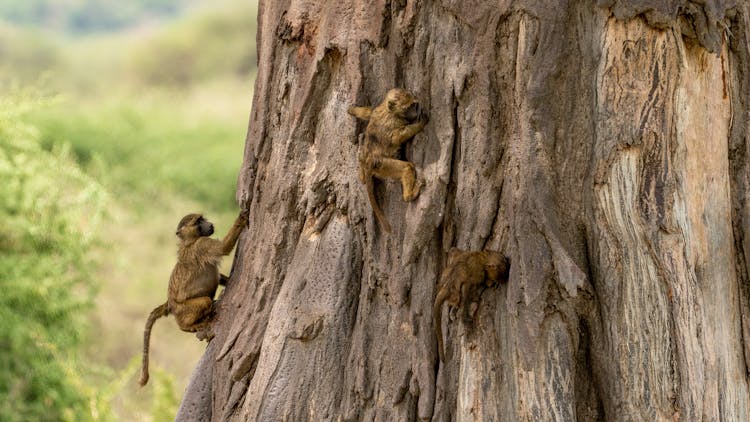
463 279
396 120
194 279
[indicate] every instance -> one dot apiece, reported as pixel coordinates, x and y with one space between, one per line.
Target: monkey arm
234 233
399 136
363 113
470 293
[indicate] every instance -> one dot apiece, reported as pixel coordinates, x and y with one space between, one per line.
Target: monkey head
193 226
402 103
496 268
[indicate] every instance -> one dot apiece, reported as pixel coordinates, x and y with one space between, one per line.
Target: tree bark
601 145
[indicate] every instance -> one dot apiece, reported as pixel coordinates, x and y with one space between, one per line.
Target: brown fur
463 279
194 279
396 120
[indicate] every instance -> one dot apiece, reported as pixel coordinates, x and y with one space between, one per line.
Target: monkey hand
245 217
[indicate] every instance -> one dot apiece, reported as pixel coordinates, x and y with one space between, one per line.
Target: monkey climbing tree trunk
601 145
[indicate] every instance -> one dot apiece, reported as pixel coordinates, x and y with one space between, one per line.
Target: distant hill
88 16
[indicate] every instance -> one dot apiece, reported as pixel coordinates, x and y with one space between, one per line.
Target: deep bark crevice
739 56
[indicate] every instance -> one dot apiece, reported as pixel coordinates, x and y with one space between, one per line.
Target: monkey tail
437 312
375 207
158 312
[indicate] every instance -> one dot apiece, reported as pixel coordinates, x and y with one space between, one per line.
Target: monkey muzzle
206 229
414 112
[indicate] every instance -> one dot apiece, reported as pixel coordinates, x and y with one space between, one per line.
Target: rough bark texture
602 145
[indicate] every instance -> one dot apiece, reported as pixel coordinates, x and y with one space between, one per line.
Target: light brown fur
194 279
463 279
396 120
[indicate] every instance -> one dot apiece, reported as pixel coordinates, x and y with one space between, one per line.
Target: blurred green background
116 118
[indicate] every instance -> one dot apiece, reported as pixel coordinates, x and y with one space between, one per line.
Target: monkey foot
418 185
206 334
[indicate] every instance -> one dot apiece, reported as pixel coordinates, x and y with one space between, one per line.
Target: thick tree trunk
603 147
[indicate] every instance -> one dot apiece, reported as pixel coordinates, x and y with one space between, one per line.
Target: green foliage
213 44
165 400
210 45
27 54
149 144
50 211
150 149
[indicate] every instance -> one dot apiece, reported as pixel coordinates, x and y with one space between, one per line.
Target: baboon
194 279
396 120
463 280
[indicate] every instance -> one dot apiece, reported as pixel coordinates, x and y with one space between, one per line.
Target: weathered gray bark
602 146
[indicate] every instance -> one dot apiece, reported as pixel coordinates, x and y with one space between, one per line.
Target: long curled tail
374 202
157 313
437 312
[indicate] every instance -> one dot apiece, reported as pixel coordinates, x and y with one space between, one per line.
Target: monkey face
193 226
413 112
497 272
205 227
492 272
497 267
403 104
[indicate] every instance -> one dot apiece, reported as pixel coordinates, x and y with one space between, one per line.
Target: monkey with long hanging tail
194 279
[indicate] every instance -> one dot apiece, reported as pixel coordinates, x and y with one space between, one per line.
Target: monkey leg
469 311
454 302
205 333
473 296
391 168
191 314
407 132
467 294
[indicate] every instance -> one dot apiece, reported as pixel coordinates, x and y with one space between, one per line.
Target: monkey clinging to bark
396 120
194 279
463 279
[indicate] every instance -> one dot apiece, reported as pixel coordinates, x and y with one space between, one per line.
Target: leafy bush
156 147
151 149
50 210
165 400
219 43
27 54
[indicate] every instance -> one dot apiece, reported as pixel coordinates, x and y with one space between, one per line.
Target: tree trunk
602 146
